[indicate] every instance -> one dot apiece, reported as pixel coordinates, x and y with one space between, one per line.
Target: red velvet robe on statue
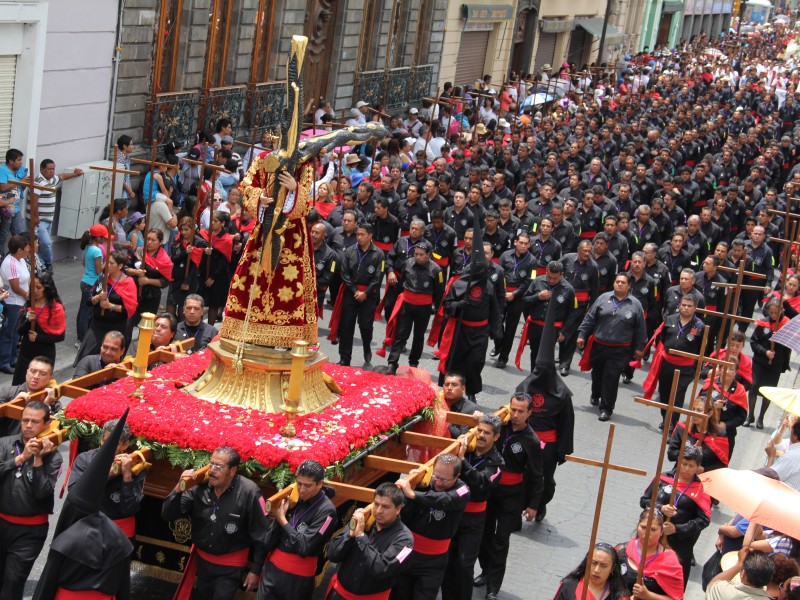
284 301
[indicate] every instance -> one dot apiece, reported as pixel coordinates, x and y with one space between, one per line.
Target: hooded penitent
88 550
552 399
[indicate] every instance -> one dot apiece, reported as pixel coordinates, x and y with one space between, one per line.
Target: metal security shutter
471 57
546 51
8 73
577 46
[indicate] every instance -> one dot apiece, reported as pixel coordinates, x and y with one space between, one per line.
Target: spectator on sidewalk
16 278
11 221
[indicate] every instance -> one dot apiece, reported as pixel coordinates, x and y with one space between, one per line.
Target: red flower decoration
369 405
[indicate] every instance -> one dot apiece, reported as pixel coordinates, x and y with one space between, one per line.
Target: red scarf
663 567
51 318
161 262
247 227
738 396
694 490
719 444
127 291
745 370
223 243
794 302
773 327
196 255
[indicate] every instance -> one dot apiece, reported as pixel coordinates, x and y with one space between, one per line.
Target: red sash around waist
582 295
414 298
585 363
548 436
64 594
541 270
711 307
442 261
429 546
304 566
30 520
237 558
475 507
588 235
446 343
128 525
337 585
511 289
523 340
510 478
336 315
385 246
678 361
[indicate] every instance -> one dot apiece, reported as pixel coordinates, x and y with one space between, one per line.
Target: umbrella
789 335
783 19
768 502
539 99
712 52
787 399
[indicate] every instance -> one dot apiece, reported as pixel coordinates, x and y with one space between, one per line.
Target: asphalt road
541 554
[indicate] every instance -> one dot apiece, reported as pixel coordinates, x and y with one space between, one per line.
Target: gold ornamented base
263 381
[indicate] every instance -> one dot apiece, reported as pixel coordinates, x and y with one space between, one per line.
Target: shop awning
672 6
594 26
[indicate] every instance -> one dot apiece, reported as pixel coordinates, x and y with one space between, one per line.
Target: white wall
22 28
76 84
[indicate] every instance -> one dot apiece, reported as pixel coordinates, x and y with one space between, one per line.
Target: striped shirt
46 200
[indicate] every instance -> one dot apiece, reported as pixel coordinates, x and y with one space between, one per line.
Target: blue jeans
9 336
84 317
43 231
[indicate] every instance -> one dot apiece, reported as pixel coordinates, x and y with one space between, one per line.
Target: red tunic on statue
282 302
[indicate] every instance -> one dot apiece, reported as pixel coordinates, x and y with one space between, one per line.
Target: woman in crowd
16 279
769 359
733 350
663 576
215 267
136 235
791 297
186 255
689 512
324 201
153 274
93 245
111 307
605 579
42 326
711 439
729 401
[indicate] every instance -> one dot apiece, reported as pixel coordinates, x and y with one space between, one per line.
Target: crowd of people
607 223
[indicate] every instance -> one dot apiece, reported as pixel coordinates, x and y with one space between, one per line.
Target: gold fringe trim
282 336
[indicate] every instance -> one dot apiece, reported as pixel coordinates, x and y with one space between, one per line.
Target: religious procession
622 257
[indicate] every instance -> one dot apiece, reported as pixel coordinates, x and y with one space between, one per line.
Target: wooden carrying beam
714 313
391 465
750 274
423 439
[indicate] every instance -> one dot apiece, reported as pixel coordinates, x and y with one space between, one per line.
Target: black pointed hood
545 378
478 269
86 496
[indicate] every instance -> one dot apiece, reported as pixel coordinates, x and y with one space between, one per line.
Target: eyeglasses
216 467
436 477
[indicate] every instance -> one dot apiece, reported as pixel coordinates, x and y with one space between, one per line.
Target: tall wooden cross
670 409
148 199
33 205
605 466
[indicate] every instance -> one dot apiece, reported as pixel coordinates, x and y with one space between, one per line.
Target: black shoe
594 401
368 356
392 369
661 426
343 363
495 351
479 581
491 596
759 423
335 343
564 371
605 415
540 514
10 371
626 380
748 422
500 364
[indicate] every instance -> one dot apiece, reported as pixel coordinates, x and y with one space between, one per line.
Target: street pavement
542 553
